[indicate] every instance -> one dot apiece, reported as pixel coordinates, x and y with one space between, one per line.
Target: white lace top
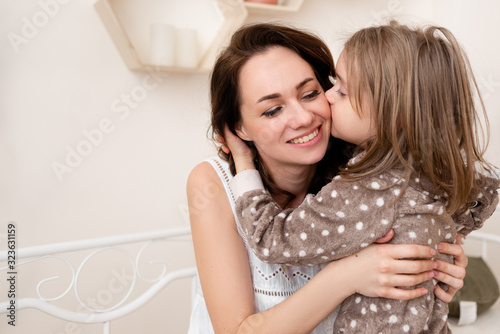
272 283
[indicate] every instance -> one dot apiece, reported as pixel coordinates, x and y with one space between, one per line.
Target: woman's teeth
305 139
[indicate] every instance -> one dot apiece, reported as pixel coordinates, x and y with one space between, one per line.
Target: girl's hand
377 270
386 238
242 155
451 274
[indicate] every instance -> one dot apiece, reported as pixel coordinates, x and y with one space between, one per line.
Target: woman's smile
307 138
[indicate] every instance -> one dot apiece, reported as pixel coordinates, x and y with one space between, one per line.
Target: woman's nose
300 117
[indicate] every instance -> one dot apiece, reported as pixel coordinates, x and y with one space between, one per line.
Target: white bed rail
93 316
484 238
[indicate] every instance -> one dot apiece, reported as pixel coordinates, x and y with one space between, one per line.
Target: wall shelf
133 44
283 6
132 39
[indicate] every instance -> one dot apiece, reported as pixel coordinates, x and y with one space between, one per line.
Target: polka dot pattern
345 217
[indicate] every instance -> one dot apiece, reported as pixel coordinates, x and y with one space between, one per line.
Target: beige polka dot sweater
345 217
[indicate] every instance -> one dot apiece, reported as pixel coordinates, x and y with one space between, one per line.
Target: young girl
405 97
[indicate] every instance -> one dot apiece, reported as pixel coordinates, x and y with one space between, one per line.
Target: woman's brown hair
247 42
420 89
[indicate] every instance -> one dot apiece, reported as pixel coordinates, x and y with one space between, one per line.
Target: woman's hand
451 274
242 155
377 270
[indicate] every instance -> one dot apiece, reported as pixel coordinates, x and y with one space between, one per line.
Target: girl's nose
329 95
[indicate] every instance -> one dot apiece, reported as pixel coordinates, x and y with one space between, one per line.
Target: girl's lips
306 138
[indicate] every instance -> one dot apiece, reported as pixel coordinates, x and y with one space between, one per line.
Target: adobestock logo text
30 27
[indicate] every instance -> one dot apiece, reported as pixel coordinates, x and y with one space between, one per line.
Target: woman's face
347 123
284 110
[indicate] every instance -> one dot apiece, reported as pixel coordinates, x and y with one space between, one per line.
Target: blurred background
89 148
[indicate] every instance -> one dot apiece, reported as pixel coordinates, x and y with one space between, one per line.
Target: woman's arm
221 257
225 275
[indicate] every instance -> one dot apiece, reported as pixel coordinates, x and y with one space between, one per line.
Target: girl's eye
271 112
341 93
311 95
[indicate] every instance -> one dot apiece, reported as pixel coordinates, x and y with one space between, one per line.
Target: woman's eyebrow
303 82
268 97
276 95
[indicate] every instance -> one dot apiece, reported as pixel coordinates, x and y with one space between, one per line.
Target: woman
266 69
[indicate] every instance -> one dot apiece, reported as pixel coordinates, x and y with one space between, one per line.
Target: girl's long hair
426 106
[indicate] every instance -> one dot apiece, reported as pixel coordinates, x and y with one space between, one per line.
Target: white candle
162 45
187 52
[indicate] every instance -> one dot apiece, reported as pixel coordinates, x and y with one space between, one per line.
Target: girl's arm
225 276
341 219
293 236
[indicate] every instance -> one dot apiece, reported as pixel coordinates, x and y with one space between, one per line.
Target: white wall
61 83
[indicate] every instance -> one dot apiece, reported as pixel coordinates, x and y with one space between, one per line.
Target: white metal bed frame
121 309
94 316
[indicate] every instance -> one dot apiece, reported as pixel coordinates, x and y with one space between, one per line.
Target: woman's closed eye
306 97
272 112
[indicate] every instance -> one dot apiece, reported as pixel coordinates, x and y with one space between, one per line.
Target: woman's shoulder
208 199
210 172
201 174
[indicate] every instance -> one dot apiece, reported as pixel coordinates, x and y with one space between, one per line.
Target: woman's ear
240 131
